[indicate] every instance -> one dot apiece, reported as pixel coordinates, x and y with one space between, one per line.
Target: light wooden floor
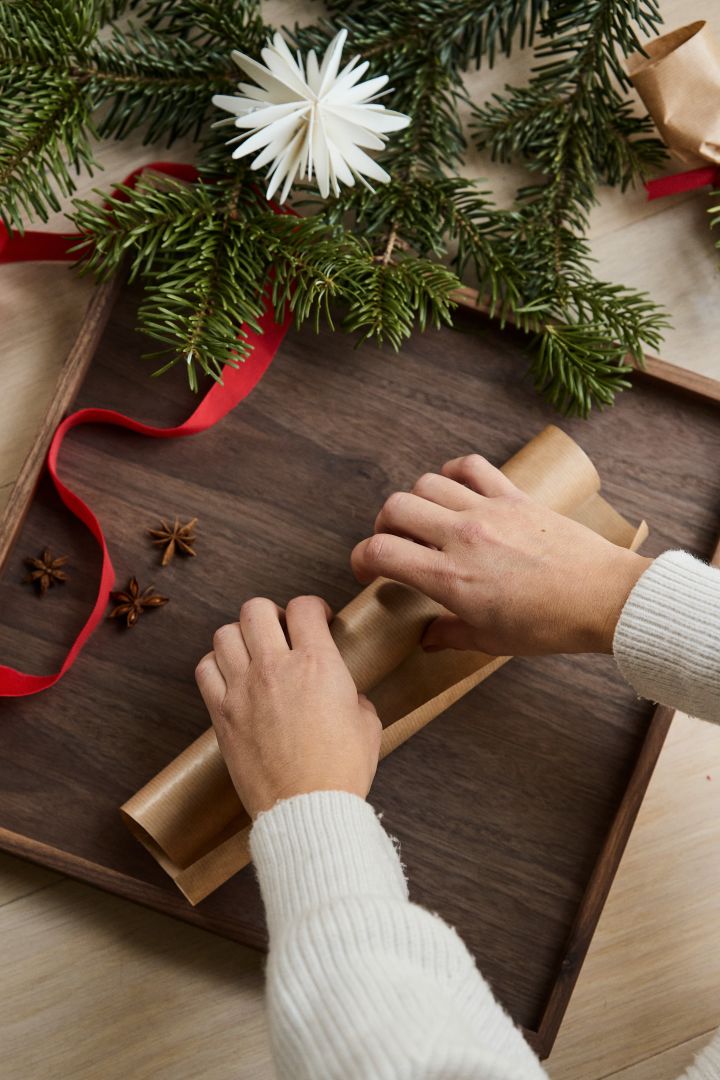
93 988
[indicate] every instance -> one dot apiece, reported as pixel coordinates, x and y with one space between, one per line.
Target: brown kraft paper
189 816
679 83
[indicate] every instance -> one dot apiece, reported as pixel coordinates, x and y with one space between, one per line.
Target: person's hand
520 579
285 709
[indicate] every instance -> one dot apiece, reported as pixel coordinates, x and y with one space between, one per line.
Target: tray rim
67 385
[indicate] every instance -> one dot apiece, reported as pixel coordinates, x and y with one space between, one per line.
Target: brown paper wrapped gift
679 82
189 816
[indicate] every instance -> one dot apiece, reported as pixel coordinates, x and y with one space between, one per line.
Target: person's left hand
287 714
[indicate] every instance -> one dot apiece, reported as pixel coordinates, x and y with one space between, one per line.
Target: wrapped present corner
189 816
678 79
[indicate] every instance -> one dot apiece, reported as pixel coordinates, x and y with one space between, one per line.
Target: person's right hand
286 712
520 578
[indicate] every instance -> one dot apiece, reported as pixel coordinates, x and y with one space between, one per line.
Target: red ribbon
706 175
217 403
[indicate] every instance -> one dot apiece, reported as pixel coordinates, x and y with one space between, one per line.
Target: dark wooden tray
514 807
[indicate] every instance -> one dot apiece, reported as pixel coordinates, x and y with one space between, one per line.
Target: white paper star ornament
311 119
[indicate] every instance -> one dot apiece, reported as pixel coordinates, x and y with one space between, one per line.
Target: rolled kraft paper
679 82
189 816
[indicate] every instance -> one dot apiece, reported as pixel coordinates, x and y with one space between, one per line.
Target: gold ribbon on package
189 816
679 82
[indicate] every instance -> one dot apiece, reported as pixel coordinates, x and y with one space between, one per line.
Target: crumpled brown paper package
679 82
189 816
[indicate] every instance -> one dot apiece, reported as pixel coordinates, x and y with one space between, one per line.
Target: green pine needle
380 264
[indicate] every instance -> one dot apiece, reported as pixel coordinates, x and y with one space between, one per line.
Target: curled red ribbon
217 403
706 175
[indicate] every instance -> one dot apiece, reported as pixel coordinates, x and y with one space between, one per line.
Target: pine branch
572 119
585 40
45 113
460 33
388 297
161 82
109 10
430 93
480 231
55 74
45 30
715 211
572 125
314 266
146 223
404 221
420 214
575 367
44 135
223 24
196 309
191 244
205 250
587 342
482 30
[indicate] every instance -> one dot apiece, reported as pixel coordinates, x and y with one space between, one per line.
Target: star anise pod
174 538
45 571
130 602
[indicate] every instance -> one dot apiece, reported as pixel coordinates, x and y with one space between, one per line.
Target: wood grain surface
502 805
78 967
68 383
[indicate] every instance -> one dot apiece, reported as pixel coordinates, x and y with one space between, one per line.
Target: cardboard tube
189 816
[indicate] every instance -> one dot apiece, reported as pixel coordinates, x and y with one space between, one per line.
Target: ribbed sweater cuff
312 849
667 641
707 1064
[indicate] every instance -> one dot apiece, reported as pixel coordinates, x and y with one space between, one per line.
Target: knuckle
202 667
303 603
471 464
225 716
424 483
220 636
252 605
395 503
375 548
265 670
470 533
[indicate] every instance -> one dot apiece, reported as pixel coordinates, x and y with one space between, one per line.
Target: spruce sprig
157 81
44 142
189 244
224 24
715 212
206 251
572 125
376 262
48 30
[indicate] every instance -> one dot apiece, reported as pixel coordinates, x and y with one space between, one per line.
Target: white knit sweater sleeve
667 645
667 640
364 984
361 983
707 1064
